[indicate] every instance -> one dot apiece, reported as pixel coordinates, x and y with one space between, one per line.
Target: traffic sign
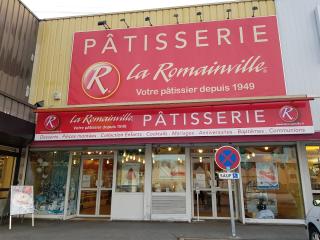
227 158
229 175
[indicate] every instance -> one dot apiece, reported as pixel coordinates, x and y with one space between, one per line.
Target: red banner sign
228 120
206 60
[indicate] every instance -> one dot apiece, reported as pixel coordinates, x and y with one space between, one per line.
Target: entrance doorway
95 189
7 164
213 196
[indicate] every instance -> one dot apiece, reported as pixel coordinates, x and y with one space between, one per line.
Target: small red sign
227 158
51 122
289 114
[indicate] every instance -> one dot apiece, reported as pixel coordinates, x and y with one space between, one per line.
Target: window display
6 170
47 172
74 184
168 170
130 170
271 182
313 156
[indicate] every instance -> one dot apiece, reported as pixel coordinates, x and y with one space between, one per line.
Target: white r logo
101 80
288 114
51 122
96 78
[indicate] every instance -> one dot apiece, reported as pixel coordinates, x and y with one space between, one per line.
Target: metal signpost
228 158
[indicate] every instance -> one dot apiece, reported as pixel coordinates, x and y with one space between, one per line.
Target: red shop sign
227 120
206 60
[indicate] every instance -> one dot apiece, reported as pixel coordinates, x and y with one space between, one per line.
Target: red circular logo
101 80
289 114
51 122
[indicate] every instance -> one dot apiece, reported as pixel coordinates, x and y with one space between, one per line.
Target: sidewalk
96 230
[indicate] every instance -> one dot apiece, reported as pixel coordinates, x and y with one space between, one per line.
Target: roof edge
146 10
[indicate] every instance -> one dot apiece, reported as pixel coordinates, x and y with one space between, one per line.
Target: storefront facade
158 181
130 130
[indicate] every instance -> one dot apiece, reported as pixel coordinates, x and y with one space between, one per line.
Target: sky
61 8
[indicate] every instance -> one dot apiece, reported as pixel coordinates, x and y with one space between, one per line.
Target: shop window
47 172
271 182
74 184
6 170
313 156
168 169
130 170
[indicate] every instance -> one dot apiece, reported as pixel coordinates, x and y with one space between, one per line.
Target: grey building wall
300 42
18 35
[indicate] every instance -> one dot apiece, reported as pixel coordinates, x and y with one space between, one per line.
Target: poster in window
269 202
201 180
267 175
86 180
21 201
130 176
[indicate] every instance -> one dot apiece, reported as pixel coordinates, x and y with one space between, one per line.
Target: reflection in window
6 170
130 170
313 156
74 185
168 169
47 172
271 182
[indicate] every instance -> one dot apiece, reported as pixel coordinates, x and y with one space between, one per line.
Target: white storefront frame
146 197
237 199
125 205
305 175
276 221
187 216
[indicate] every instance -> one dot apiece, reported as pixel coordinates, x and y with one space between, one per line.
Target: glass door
313 157
6 177
221 194
213 196
95 186
71 200
202 181
106 186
